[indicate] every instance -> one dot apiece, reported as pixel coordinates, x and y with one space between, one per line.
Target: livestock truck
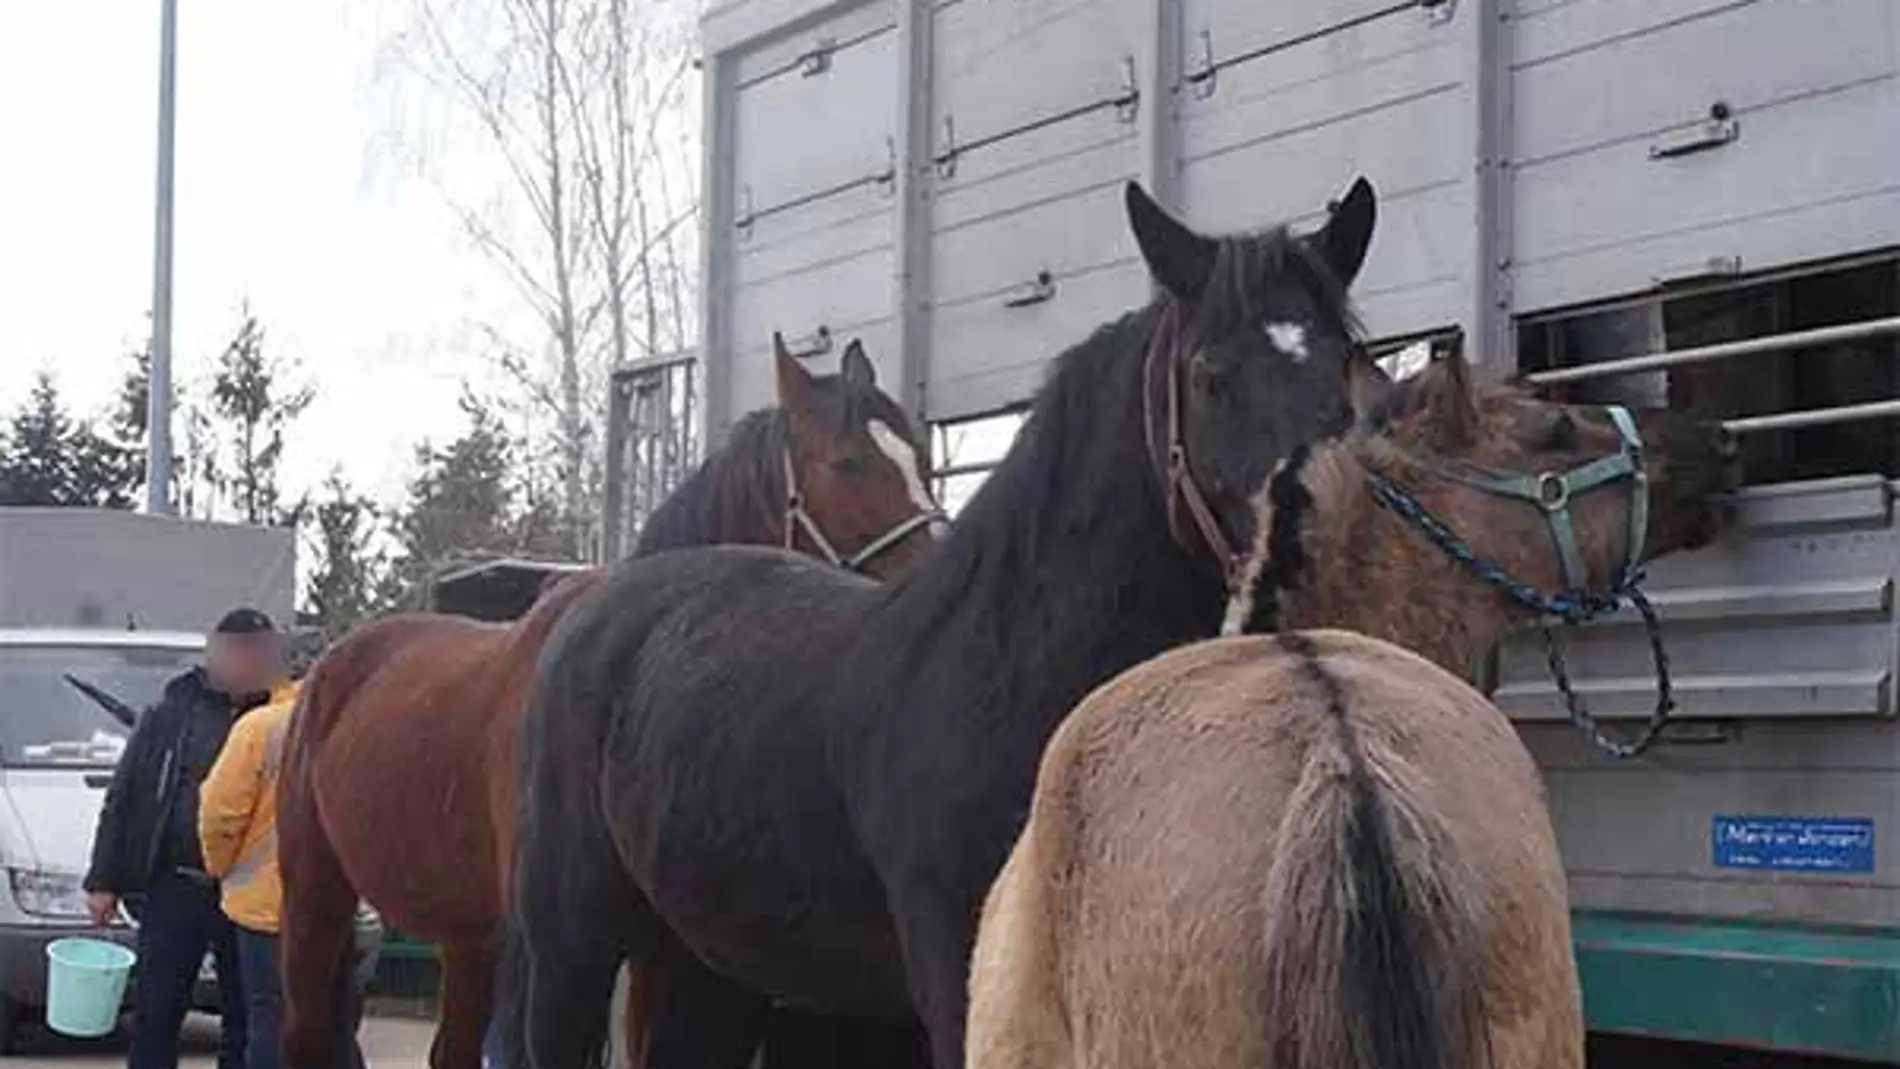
1683 202
98 609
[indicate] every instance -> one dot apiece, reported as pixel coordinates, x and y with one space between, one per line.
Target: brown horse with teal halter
1576 602
1313 849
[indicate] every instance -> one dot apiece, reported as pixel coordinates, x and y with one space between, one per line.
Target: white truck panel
1081 51
776 161
1533 158
102 568
1597 90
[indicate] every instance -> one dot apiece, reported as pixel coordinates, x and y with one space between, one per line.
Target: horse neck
1065 561
734 497
1368 571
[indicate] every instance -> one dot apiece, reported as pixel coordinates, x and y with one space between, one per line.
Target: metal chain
1570 608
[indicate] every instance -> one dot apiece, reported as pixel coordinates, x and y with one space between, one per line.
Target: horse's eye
1562 435
1207 374
848 466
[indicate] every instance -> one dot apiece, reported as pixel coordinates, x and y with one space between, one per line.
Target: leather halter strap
1183 499
799 518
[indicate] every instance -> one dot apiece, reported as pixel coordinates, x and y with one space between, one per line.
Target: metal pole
911 167
619 428
158 453
1814 417
1772 343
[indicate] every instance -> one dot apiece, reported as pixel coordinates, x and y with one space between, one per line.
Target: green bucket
85 985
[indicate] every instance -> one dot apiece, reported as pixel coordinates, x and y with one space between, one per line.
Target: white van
67 700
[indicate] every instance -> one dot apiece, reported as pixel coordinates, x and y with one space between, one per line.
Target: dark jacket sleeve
125 819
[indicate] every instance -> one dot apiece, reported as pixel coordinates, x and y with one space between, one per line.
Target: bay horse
1317 847
401 765
784 782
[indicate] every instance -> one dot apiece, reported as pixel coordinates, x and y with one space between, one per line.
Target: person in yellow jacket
237 823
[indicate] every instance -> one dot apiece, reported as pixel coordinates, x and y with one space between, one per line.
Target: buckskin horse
401 765
1315 848
776 781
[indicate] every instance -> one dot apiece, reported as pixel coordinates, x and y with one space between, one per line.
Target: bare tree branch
582 105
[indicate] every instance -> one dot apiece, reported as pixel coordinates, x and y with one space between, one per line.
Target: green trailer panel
1742 984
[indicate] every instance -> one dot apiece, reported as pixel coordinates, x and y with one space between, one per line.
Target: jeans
264 998
179 922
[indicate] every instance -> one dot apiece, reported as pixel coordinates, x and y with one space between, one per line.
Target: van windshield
56 702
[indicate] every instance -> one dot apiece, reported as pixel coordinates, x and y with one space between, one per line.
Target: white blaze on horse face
1238 608
893 445
1289 338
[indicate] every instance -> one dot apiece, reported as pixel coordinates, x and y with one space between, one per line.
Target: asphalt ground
388 1043
403 1041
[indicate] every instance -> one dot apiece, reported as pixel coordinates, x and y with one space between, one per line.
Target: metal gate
654 441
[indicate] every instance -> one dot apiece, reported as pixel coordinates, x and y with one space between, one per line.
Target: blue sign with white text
1794 844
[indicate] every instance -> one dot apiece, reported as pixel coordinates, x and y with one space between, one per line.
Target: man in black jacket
147 843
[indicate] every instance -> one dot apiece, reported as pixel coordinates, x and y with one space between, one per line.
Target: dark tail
511 988
1369 961
567 922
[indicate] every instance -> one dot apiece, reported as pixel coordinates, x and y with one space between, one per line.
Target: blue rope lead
1570 608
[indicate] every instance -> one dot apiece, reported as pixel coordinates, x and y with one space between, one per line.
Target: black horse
806 781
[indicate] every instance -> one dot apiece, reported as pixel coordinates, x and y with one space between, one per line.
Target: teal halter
1552 493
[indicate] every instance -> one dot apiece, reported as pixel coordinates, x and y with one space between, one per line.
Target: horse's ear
1179 259
1348 231
1370 389
1453 401
857 367
794 382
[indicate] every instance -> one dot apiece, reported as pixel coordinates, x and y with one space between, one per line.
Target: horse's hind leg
468 998
566 965
798 1040
566 938
574 914
1543 1025
698 1019
318 933
1016 1017
1537 1040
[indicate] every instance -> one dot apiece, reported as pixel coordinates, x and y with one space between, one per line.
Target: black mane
1067 471
1070 529
739 488
1083 446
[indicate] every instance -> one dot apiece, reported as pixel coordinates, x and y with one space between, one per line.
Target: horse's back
1166 800
679 610
390 673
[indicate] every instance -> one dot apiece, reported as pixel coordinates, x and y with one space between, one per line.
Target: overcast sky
288 195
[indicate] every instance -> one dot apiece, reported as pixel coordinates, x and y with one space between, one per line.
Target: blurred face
242 663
